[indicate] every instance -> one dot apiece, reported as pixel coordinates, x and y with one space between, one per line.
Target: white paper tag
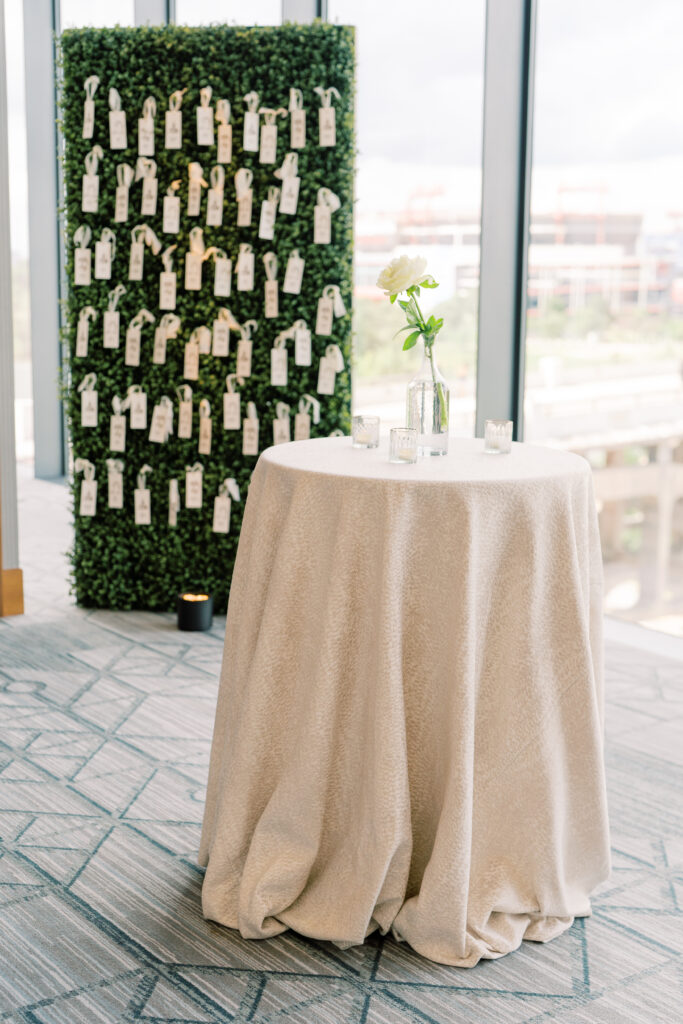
289 196
250 437
171 222
205 126
245 272
214 207
205 425
327 126
281 434
88 503
302 346
271 300
302 426
231 411
132 357
88 408
266 228
243 366
158 432
194 198
326 376
278 367
146 136
191 361
224 150
293 275
136 261
185 420
143 507
167 289
221 514
88 119
297 129
204 342
82 337
324 319
159 350
103 261
222 277
322 225
91 193
221 338
138 410
150 189
115 490
268 148
117 433
111 328
251 132
338 303
121 204
193 272
82 266
118 136
244 209
173 136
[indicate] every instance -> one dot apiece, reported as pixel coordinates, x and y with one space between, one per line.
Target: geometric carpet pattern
105 727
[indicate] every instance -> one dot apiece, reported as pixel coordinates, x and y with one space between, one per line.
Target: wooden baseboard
11 592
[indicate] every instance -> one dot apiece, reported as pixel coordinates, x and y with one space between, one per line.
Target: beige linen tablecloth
409 726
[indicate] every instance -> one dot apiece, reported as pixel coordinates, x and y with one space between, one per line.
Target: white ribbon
270 263
184 393
82 236
334 354
196 173
230 383
134 389
175 100
124 175
87 313
170 325
85 467
243 180
196 238
149 109
337 433
326 95
273 194
141 317
152 241
114 100
88 383
296 99
290 167
307 403
281 411
252 411
114 466
142 477
282 338
199 333
114 296
173 187
167 259
217 177
331 291
225 314
109 236
326 197
205 95
229 488
247 327
92 160
145 168
138 233
90 85
251 101
223 111
245 249
204 409
218 254
118 406
270 116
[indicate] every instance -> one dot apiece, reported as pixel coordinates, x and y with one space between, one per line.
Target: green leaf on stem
411 340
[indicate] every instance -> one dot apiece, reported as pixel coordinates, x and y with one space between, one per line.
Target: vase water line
428 406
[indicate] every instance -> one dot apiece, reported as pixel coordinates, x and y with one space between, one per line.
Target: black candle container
195 611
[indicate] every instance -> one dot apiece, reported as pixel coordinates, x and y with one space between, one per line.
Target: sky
608 84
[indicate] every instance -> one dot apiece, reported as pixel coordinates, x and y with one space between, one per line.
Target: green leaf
411 340
392 298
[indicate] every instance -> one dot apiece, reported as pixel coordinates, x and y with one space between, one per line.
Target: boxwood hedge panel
116 563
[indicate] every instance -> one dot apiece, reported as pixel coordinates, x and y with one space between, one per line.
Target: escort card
173 136
214 207
243 367
205 126
224 154
150 189
193 272
185 420
88 503
221 514
158 432
82 337
194 197
231 411
250 428
266 228
88 119
146 136
244 209
297 129
289 196
302 346
143 506
115 490
191 361
302 426
118 135
167 289
278 367
136 261
327 126
322 225
159 350
171 222
205 425
82 266
268 147
293 274
271 299
281 433
324 319
121 204
245 272
221 338
88 408
193 488
91 193
117 433
132 357
326 376
111 328
222 278
138 410
102 260
251 132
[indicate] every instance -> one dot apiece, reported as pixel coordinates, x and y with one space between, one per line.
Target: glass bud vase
427 406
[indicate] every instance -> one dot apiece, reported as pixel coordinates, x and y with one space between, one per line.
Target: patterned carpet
105 723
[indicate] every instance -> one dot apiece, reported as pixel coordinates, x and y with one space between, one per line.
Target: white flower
401 274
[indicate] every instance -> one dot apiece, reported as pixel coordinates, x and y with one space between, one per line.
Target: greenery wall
117 564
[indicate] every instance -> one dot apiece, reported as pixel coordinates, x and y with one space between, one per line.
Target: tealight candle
195 612
403 445
498 437
365 431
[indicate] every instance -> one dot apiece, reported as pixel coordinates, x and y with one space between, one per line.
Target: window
236 12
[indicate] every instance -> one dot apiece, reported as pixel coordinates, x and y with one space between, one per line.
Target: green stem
428 343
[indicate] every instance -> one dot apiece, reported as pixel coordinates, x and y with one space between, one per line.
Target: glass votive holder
402 444
498 437
365 431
